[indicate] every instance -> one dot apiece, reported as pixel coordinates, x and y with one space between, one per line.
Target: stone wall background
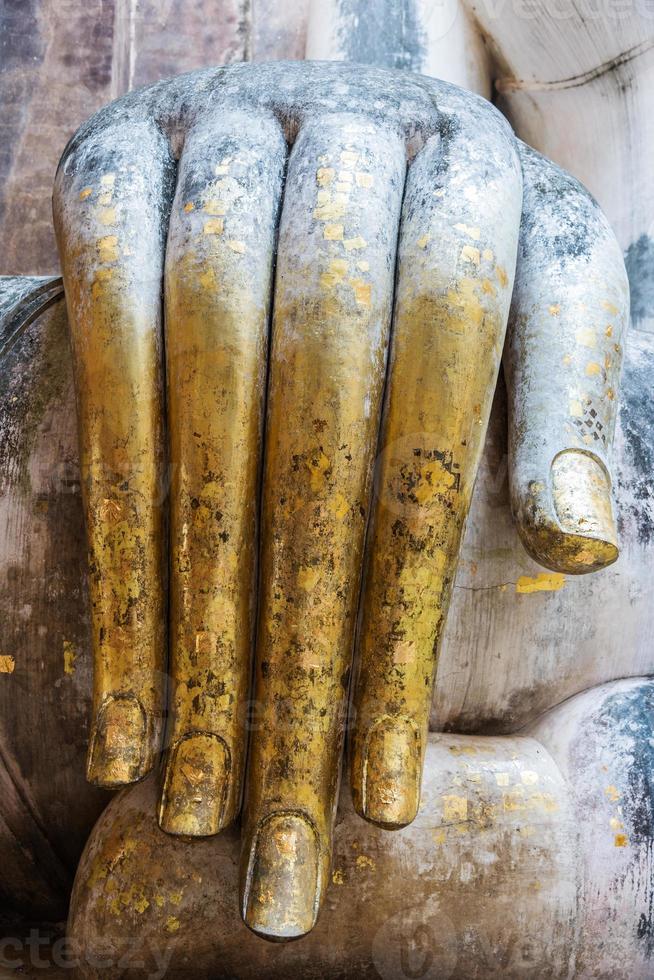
60 60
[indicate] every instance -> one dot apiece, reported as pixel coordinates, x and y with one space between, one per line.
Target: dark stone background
60 60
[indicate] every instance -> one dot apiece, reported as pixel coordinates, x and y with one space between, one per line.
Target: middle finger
330 335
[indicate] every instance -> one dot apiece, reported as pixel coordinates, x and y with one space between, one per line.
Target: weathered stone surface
166 37
61 60
278 30
532 856
56 68
47 806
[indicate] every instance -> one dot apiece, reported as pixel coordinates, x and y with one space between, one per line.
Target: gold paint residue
463 750
329 211
108 248
333 233
208 278
215 226
502 276
335 273
308 578
434 481
586 336
215 207
69 658
362 291
205 642
455 809
467 230
543 582
339 506
471 254
351 244
404 653
324 176
7 664
349 158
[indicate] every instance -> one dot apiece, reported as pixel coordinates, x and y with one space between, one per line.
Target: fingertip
282 887
118 750
386 780
569 526
196 787
581 492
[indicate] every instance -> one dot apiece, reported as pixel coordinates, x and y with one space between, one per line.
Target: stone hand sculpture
390 226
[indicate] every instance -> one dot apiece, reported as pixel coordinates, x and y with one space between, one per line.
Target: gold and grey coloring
288 288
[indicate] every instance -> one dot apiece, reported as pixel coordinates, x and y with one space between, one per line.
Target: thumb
562 362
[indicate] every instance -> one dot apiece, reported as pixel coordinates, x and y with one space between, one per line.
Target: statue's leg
455 273
111 210
332 315
563 359
531 857
218 280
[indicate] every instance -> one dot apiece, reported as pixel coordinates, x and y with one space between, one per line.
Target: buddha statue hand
307 485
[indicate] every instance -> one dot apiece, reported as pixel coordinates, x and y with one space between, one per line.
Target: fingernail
117 749
196 785
282 887
581 491
391 773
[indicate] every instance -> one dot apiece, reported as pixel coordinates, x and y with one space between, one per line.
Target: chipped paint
70 656
542 582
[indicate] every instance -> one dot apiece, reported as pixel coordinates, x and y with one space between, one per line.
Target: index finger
460 225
